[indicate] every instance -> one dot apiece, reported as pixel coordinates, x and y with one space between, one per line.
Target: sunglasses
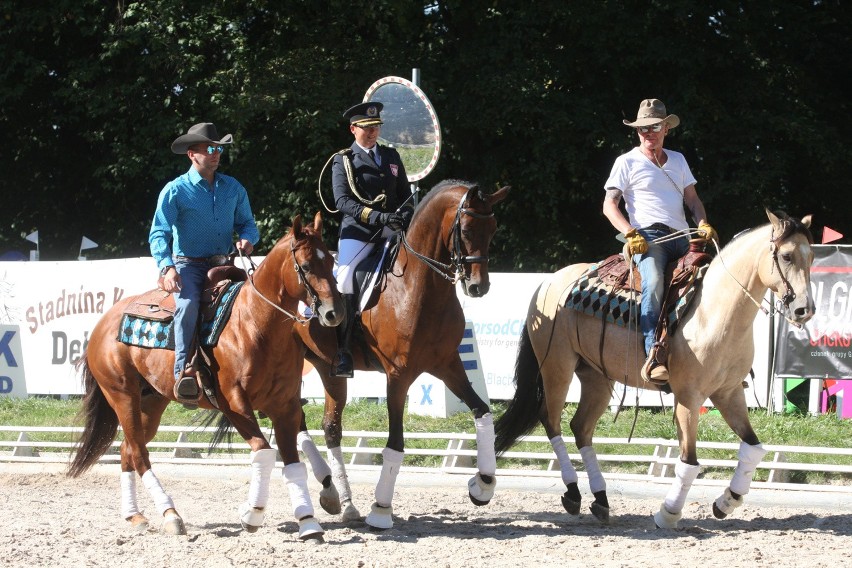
653 128
212 150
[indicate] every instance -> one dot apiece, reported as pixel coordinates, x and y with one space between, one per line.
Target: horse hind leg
329 496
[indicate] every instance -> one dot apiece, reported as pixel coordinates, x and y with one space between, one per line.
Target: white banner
48 309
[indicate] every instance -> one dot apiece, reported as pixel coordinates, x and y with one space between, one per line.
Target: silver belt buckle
218 259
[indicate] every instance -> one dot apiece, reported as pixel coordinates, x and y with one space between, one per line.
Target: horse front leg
329 497
686 470
286 421
482 485
734 410
381 511
332 425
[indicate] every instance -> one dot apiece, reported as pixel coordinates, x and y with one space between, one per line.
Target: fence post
24 451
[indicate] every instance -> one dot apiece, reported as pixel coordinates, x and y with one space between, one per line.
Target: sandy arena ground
51 520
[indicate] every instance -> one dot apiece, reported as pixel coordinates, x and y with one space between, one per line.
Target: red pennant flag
830 235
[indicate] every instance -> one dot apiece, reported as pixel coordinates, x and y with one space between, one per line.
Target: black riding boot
342 365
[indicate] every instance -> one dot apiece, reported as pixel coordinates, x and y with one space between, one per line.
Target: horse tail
101 423
224 429
524 410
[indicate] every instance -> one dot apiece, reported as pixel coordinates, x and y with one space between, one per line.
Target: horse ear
806 221
499 195
297 226
318 222
776 222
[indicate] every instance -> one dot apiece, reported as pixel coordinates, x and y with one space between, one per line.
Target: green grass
365 415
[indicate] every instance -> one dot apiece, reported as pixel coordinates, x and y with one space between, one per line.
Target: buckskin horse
710 352
415 327
258 362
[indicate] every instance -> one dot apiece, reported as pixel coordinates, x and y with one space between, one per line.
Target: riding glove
636 243
706 232
394 221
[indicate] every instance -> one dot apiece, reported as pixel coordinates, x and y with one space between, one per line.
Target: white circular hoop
435 124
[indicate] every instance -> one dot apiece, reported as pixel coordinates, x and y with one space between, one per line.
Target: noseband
454 271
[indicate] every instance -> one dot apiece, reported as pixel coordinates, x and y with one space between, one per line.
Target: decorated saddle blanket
148 322
607 291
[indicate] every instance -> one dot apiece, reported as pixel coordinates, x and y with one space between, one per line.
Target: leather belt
215 260
659 227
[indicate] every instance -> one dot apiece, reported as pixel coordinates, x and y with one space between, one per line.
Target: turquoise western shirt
193 220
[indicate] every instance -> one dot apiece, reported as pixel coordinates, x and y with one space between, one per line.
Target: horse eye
306 267
787 257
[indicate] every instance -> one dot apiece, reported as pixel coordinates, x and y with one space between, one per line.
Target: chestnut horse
416 327
710 353
259 366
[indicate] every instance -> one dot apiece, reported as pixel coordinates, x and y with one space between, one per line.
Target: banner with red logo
823 348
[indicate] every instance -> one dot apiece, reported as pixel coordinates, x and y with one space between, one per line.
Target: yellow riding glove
706 232
636 243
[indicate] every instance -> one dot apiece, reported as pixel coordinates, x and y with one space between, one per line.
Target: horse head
789 274
306 269
470 233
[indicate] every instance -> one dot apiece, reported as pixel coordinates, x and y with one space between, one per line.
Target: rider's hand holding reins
636 243
394 221
706 232
170 281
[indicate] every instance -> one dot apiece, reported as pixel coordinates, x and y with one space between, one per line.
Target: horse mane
789 227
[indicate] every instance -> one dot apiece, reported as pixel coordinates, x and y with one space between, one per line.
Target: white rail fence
459 456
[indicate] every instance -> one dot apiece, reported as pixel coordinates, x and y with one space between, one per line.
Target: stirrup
342 365
655 372
186 390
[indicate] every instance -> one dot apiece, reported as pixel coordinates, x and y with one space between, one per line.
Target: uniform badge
371 111
394 169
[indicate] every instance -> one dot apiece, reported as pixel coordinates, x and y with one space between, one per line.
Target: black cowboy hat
201 133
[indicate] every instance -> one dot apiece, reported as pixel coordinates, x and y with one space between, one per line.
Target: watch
165 269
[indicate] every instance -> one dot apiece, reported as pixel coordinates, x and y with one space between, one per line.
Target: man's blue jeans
652 269
187 304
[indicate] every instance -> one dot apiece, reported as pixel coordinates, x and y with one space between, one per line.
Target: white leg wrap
486 459
162 501
569 474
262 464
593 469
665 520
129 506
685 474
338 472
296 478
391 462
318 465
749 457
727 503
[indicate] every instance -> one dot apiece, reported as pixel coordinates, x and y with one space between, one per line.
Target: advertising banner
823 347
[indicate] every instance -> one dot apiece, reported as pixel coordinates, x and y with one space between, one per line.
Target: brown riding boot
186 389
654 370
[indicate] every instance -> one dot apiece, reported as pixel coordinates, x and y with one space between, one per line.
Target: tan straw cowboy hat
652 111
201 133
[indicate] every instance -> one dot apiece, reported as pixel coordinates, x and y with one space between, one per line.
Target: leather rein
454 271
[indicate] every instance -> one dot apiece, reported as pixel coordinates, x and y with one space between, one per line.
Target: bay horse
258 362
710 353
416 327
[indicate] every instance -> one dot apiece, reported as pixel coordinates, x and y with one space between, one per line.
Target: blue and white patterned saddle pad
134 330
590 297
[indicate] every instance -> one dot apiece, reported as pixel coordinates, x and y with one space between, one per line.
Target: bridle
455 270
303 280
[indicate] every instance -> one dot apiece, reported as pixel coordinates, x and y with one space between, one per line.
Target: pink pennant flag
830 235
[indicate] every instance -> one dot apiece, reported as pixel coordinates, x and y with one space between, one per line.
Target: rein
454 271
302 280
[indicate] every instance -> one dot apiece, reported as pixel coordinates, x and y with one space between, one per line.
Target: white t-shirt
649 195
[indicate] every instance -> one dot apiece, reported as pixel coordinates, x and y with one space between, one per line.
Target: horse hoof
380 517
600 512
726 504
350 512
573 507
251 518
310 530
330 500
481 491
665 520
173 525
138 523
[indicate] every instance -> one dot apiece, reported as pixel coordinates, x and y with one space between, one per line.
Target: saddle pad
590 297
159 334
